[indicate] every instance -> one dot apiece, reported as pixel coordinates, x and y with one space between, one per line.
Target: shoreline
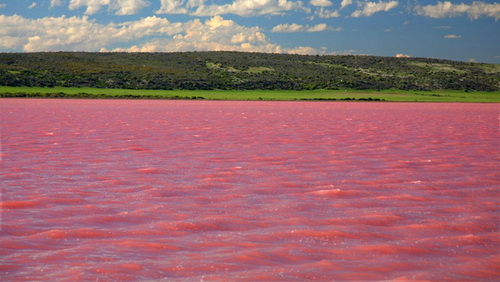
344 95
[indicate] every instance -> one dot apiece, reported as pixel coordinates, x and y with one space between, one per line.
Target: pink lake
203 190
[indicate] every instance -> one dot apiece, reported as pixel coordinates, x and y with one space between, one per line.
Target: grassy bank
277 95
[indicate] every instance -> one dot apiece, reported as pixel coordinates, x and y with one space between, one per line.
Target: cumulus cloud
345 3
76 33
367 9
120 7
303 51
172 7
84 34
54 3
214 34
244 8
250 8
128 7
452 36
320 3
319 27
400 55
93 6
447 10
149 26
287 28
326 14
33 5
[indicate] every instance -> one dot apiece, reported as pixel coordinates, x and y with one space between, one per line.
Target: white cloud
452 36
153 25
251 8
172 7
76 33
238 7
93 6
214 34
68 34
447 10
288 28
33 5
15 25
121 7
54 3
326 14
320 3
128 7
370 8
345 3
318 28
14 31
85 34
11 42
303 51
400 55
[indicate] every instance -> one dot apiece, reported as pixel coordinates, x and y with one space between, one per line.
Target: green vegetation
243 71
258 69
276 95
245 76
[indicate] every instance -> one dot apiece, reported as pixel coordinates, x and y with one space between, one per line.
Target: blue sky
456 30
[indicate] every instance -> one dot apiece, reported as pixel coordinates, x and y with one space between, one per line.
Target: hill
242 71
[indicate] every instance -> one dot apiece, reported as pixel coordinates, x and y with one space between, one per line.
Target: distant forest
242 71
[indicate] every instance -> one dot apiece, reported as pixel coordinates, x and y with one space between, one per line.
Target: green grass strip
267 95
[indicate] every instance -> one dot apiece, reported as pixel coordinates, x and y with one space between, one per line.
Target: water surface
115 189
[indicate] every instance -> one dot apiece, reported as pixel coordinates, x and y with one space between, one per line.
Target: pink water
142 190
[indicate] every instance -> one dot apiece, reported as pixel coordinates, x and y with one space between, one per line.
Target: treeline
94 96
242 71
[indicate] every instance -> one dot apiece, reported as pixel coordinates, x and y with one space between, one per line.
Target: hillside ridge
228 70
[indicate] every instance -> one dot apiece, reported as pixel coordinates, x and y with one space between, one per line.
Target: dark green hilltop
242 71
245 76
